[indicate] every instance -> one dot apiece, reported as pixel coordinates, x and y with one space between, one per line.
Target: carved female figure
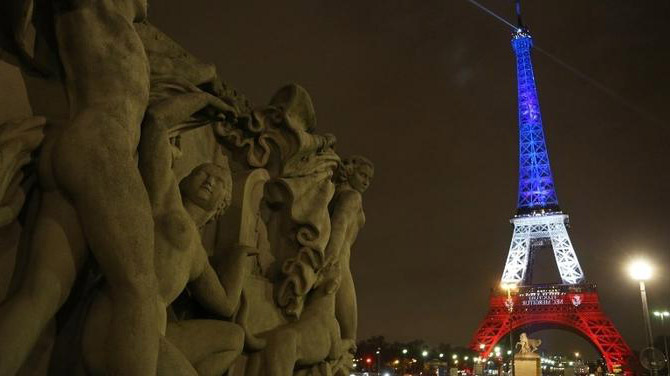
192 347
347 217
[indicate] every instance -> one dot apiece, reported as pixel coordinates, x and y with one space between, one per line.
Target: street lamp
379 360
663 315
641 270
509 303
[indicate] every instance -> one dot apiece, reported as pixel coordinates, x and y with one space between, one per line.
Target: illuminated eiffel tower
538 218
539 221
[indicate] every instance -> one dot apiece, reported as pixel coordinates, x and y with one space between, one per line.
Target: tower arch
571 307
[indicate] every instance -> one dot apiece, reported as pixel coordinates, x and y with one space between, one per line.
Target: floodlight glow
508 285
640 270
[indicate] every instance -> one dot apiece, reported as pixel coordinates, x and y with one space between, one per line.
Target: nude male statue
347 217
92 192
191 347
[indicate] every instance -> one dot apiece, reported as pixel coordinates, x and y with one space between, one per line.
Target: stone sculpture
347 216
527 345
155 221
179 254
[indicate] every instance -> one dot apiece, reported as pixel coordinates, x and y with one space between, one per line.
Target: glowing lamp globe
640 270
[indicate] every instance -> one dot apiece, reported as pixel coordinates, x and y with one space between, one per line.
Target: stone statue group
154 221
528 346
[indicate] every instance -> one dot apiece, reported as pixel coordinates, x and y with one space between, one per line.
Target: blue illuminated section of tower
537 194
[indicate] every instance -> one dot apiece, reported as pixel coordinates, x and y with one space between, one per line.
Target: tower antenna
518 13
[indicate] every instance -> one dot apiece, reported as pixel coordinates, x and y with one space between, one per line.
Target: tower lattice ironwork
539 221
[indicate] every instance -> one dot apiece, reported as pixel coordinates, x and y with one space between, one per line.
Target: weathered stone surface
154 221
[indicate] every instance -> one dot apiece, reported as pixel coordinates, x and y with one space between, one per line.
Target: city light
404 351
454 356
482 346
424 353
661 314
640 270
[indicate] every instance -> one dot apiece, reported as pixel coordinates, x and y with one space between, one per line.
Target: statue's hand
349 345
331 140
181 112
222 106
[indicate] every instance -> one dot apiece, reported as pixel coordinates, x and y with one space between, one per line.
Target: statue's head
209 187
357 171
523 336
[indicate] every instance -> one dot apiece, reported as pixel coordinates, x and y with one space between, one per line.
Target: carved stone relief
154 221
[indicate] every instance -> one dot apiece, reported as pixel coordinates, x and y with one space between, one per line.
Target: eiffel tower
539 221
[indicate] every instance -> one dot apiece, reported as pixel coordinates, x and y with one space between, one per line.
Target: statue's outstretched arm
155 165
221 295
162 121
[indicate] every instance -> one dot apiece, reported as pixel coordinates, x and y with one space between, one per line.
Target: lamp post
379 360
662 315
481 352
509 303
641 271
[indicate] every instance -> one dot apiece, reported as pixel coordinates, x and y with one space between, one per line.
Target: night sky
427 90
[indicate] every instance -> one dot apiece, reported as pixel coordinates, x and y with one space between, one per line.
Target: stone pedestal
527 365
